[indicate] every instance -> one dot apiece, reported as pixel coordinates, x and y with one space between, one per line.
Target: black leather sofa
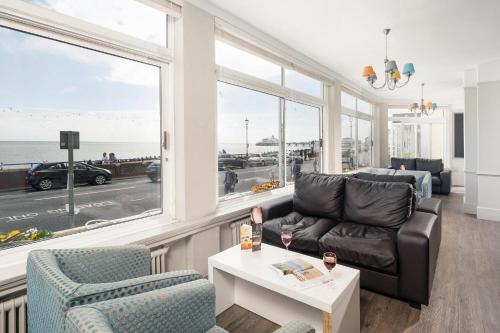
373 226
441 177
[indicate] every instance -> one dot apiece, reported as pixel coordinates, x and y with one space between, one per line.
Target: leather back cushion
409 163
433 166
377 203
408 179
319 195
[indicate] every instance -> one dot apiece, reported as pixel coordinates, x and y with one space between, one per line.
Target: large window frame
44 23
239 79
356 114
416 120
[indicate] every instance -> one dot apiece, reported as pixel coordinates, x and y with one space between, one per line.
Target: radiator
159 260
13 315
235 229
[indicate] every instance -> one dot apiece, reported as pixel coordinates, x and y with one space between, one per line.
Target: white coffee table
246 279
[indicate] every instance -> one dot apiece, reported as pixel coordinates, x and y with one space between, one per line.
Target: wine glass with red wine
286 238
330 260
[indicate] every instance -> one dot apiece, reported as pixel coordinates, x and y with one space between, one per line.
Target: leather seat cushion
434 166
367 246
306 231
436 180
378 204
409 163
319 195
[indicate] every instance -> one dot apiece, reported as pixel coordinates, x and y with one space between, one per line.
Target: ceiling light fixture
392 73
424 108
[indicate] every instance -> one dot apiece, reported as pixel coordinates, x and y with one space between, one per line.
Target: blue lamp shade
434 106
408 69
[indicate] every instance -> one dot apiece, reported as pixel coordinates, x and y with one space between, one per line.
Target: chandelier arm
382 86
403 84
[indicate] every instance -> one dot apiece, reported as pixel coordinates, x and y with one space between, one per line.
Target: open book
303 272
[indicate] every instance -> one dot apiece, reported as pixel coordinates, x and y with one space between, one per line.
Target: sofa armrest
418 247
186 307
277 208
90 293
445 177
296 327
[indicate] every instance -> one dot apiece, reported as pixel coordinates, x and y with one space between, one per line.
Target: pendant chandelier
392 74
424 108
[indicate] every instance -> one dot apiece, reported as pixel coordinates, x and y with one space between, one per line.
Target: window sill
154 230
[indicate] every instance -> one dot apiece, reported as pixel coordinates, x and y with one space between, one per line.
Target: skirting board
491 214
470 208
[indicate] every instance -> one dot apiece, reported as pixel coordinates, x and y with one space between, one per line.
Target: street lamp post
246 127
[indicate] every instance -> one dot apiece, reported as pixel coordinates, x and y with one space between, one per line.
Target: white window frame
35 20
423 120
236 78
364 116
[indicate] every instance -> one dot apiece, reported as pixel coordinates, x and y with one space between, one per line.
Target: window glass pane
248 141
364 107
364 157
348 101
126 16
46 87
303 83
348 143
403 140
302 139
242 61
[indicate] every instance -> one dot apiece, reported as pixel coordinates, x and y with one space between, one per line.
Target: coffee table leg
327 322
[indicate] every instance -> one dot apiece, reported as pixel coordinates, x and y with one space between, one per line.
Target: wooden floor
465 295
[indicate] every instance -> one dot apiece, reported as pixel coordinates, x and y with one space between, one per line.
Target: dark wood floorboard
465 295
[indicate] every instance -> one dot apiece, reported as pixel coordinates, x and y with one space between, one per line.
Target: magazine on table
300 272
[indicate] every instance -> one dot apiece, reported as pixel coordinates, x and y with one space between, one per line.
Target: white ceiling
441 37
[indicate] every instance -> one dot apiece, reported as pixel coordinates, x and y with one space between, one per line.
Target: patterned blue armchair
187 307
58 280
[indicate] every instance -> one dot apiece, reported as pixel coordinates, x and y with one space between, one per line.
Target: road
23 209
257 175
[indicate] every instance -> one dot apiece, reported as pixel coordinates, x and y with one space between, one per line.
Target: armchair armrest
277 208
418 244
187 307
90 293
87 320
445 177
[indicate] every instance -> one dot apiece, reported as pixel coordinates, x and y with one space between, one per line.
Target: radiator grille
13 315
159 260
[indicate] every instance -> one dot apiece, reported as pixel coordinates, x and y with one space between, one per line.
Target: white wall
383 158
482 161
195 114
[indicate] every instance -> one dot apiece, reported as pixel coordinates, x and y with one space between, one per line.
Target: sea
27 152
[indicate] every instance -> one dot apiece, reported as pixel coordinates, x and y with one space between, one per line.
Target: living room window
357 129
412 135
269 123
51 83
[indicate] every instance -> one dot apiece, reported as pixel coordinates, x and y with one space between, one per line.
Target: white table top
255 267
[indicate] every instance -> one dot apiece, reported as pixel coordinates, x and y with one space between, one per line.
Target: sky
47 86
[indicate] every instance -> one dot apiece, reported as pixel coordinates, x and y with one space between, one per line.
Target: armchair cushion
436 180
319 195
187 307
307 230
367 246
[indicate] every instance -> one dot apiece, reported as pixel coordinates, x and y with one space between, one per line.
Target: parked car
46 176
262 160
153 171
228 160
